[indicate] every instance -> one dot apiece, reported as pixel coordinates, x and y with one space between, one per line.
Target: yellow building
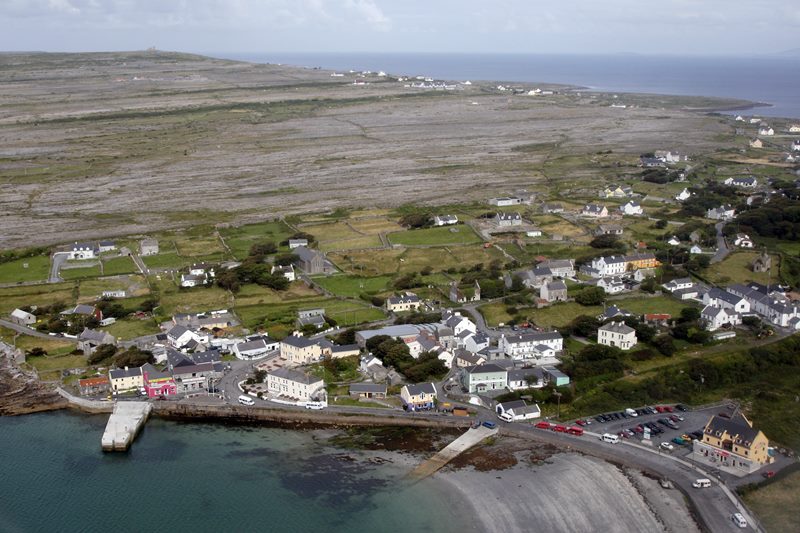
733 443
126 379
646 260
300 350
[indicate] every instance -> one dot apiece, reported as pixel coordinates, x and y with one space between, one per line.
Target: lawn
332 231
776 504
374 226
658 304
80 273
559 315
166 261
736 269
64 362
195 246
346 400
194 300
134 284
440 236
28 269
356 243
495 313
13 297
119 265
368 263
129 328
240 239
53 346
252 294
352 286
345 312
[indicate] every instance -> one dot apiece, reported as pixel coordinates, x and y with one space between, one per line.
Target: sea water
767 79
203 477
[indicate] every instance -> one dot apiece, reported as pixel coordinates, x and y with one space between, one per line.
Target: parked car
667 446
679 441
768 473
667 409
676 418
489 424
575 430
542 425
723 414
681 407
580 422
698 435
559 428
659 409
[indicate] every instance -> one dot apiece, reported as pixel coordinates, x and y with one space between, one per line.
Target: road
59 258
28 331
722 244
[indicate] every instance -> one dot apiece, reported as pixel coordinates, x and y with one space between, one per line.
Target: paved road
28 331
59 258
722 244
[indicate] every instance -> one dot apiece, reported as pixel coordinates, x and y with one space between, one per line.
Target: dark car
651 410
697 435
599 419
724 415
681 407
642 412
663 421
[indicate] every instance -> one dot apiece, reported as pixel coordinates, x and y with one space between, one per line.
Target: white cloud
371 13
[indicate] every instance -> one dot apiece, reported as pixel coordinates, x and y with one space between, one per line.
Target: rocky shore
22 392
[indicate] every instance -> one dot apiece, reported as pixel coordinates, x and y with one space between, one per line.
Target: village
527 308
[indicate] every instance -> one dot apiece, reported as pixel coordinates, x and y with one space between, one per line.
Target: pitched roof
294 375
305 254
298 342
419 388
617 327
487 367
733 426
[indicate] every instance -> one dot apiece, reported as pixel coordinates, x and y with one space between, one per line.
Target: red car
575 430
667 409
560 429
581 422
542 425
638 429
768 473
659 408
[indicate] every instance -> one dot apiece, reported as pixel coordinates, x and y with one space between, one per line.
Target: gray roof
725 296
419 388
305 254
734 426
248 346
118 373
407 298
487 367
294 375
535 336
93 335
298 342
368 387
557 285
185 370
177 331
512 404
208 356
617 327
520 374
556 263
345 348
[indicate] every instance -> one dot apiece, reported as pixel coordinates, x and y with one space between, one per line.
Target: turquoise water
202 477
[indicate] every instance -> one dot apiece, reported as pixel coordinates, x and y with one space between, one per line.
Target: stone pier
463 443
124 424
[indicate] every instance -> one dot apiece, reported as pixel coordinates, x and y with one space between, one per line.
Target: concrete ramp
463 443
124 424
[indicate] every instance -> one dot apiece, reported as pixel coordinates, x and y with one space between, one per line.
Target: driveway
722 244
59 258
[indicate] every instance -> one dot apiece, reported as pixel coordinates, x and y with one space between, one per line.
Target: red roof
88 382
657 316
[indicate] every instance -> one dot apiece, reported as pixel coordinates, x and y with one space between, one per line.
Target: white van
739 520
701 483
608 437
505 416
315 405
246 400
631 412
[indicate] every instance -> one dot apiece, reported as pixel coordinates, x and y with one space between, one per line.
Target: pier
463 443
124 424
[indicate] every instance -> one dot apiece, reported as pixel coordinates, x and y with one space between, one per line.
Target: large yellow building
644 260
734 443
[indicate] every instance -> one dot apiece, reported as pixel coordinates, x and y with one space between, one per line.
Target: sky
696 27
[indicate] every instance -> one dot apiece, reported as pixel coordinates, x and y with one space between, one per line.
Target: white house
148 247
23 318
445 220
508 219
505 201
726 300
796 146
526 378
534 232
255 348
674 241
518 410
595 210
632 208
613 265
695 249
683 195
180 336
766 131
297 243
747 182
295 385
287 271
678 284
617 334
406 302
716 317
83 250
723 212
458 323
794 128
541 347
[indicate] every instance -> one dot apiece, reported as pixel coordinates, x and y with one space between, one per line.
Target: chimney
126 369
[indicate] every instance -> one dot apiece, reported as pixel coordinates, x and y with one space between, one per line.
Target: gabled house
632 209
595 210
734 443
695 249
557 268
526 378
90 339
23 318
756 143
720 298
310 261
540 347
617 334
552 208
368 391
555 291
679 283
683 195
749 182
464 358
505 201
157 383
766 131
94 386
255 348
407 302
300 350
180 337
297 243
517 411
743 241
287 271
125 379
311 317
421 396
196 377
484 378
762 263
82 250
295 385
609 229
674 241
508 219
82 310
717 317
723 212
616 191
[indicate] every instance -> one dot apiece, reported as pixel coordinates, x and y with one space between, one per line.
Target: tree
416 220
260 376
689 314
229 280
262 248
285 259
698 262
660 224
101 353
133 357
591 296
664 344
607 241
36 352
583 326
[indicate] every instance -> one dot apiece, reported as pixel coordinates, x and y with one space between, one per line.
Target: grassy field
441 236
776 504
356 243
194 300
134 284
54 346
13 297
198 244
37 269
80 273
659 304
345 312
50 363
352 286
119 265
240 239
374 226
252 294
167 261
368 263
129 328
736 269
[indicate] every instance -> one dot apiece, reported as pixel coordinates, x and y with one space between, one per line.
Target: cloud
371 13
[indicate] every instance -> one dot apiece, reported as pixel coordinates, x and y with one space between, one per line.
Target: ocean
203 477
770 80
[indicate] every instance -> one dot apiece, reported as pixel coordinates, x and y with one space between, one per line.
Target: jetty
125 422
463 443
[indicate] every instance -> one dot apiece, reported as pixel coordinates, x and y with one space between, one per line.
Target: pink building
158 383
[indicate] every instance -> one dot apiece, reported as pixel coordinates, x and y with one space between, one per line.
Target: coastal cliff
22 392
